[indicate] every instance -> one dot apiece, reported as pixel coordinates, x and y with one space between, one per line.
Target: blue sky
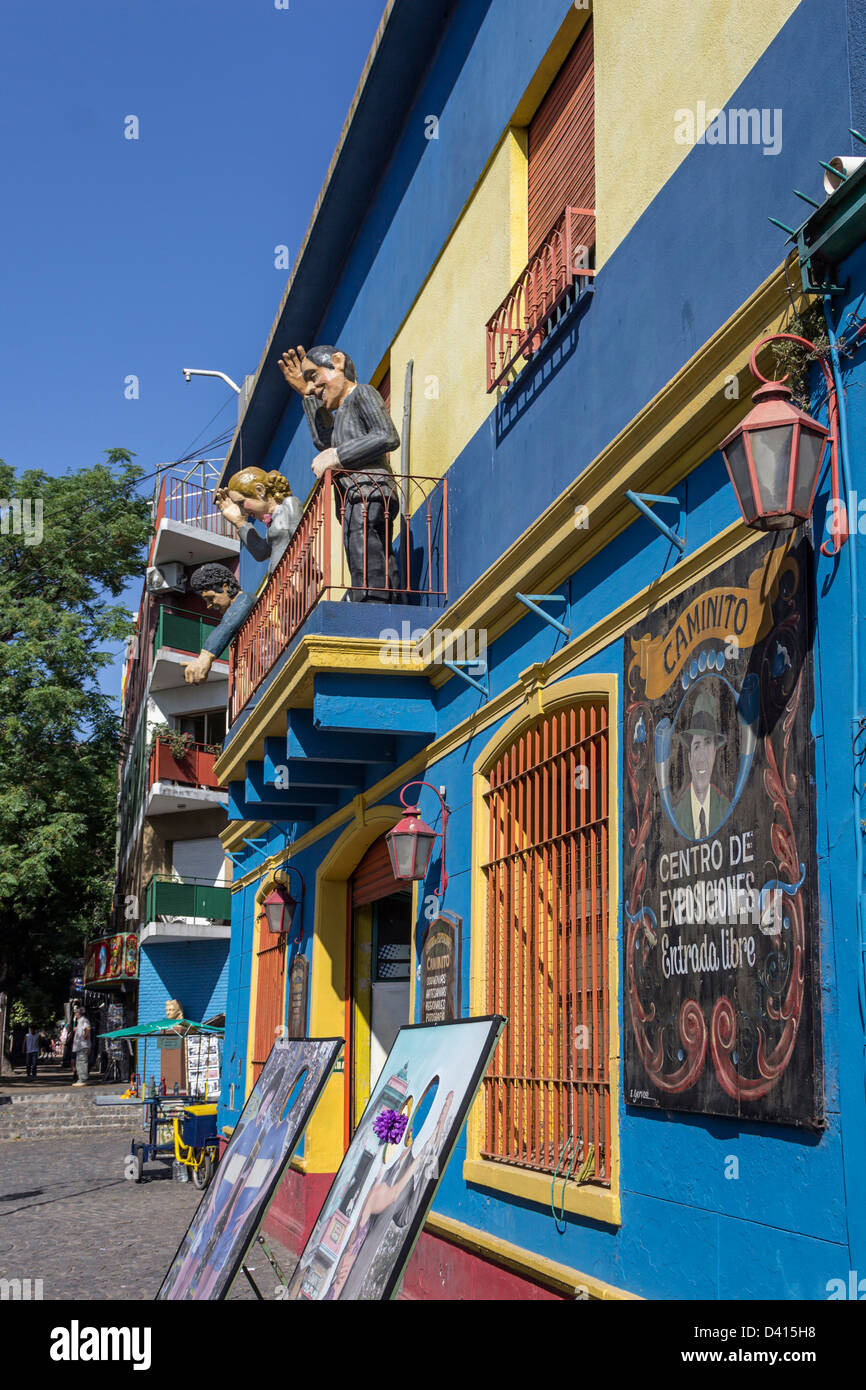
124 257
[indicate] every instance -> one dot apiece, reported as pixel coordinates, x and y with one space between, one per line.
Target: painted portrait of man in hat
702 807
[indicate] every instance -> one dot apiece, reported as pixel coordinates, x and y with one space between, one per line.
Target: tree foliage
59 733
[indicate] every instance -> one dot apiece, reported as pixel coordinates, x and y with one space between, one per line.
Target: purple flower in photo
390 1126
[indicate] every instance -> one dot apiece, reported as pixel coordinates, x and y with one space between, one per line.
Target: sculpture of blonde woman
254 495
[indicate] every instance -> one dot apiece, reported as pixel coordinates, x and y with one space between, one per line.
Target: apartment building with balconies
172 886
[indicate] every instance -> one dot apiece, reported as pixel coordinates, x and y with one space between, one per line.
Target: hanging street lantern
410 843
773 457
773 460
280 905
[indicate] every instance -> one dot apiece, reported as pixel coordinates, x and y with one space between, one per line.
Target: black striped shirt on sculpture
363 434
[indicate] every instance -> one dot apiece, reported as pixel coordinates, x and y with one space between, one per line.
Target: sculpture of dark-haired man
354 434
220 591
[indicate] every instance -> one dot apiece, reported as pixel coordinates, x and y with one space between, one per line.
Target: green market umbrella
163 1025
179 1026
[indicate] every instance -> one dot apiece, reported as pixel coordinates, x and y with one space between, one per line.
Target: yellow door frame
330 974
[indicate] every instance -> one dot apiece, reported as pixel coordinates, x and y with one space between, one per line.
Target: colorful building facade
545 237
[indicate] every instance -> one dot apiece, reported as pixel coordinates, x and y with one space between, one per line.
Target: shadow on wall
557 349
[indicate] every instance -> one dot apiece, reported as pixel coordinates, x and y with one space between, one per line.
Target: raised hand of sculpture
354 434
254 495
221 592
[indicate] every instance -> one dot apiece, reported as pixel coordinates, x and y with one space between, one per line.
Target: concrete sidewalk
50 1076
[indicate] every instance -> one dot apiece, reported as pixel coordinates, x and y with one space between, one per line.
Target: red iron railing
520 324
547 1093
183 501
194 769
415 518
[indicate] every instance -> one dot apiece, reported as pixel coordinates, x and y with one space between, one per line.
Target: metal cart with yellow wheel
196 1145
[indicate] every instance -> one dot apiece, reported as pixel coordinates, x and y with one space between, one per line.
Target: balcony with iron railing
541 294
185 909
186 780
315 569
158 665
188 527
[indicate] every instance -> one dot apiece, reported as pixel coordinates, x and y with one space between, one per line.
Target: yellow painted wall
649 63
444 331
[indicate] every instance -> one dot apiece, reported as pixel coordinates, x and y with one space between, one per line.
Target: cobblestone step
41 1115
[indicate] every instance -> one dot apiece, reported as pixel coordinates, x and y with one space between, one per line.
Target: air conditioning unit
161 578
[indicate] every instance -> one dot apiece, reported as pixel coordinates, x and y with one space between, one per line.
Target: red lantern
279 908
773 459
410 845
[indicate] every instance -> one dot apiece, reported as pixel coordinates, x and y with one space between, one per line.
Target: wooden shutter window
562 144
374 877
270 992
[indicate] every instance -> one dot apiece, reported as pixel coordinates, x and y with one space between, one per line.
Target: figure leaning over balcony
222 592
254 495
354 434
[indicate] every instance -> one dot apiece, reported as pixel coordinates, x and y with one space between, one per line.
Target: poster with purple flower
379 1200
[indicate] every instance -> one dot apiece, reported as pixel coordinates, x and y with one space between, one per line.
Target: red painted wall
438 1271
441 1272
294 1210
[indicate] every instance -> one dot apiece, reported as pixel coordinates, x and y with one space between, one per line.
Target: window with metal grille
547 1093
270 993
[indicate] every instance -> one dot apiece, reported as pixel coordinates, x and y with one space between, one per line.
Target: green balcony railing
191 897
186 632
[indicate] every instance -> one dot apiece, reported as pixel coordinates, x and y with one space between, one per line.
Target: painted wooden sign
719 866
298 974
440 970
111 958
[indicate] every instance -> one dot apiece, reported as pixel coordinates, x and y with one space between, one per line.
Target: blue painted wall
195 972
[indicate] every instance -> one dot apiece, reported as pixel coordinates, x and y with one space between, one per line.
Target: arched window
547 1094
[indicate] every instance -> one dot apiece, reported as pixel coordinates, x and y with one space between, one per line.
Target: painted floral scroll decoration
642 936
784 969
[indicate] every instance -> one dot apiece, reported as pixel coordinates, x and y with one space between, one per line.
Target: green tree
59 733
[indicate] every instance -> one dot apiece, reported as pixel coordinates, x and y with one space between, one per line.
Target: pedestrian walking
31 1050
81 1046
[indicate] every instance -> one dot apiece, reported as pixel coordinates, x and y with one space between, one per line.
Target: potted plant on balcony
178 743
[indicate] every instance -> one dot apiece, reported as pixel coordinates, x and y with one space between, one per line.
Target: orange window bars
547 1094
270 993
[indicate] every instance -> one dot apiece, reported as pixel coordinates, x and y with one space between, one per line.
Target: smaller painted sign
440 970
298 975
111 958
